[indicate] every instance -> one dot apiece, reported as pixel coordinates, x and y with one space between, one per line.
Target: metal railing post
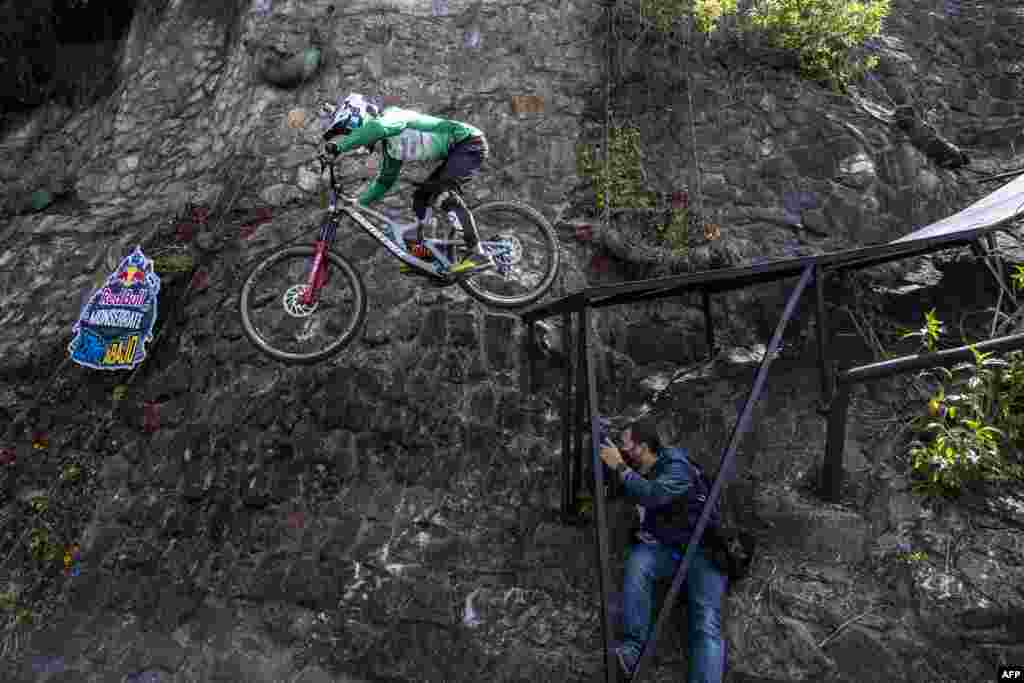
709 326
527 366
979 251
567 422
611 666
822 320
832 468
581 399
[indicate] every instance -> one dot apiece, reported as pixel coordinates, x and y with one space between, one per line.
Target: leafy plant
71 473
676 231
664 13
621 183
1011 399
930 333
911 558
1018 278
40 504
173 263
42 548
964 440
706 13
823 34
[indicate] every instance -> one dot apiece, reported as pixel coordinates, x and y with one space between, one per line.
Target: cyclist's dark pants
463 162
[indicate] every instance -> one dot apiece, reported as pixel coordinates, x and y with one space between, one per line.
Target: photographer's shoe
627 663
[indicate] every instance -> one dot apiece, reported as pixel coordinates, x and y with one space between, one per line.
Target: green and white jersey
407 136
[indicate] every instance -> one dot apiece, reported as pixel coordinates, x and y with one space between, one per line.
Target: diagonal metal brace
723 470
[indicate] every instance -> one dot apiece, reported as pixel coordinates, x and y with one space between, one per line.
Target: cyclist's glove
331 149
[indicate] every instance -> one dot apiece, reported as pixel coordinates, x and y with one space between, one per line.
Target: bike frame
329 230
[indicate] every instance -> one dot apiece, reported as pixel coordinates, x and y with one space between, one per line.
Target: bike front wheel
277 322
525 251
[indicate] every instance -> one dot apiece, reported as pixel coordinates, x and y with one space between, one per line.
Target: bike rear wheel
525 251
278 324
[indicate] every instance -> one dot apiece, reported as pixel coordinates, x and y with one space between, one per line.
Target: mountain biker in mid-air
412 136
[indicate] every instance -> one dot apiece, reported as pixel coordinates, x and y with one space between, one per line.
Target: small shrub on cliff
706 13
823 33
975 421
676 232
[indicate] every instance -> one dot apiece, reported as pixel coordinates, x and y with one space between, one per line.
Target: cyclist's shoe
473 263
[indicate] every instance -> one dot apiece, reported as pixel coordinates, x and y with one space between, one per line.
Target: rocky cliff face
392 514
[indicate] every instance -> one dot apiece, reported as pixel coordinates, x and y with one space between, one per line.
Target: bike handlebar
328 162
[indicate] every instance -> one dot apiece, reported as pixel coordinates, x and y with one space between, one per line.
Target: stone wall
392 514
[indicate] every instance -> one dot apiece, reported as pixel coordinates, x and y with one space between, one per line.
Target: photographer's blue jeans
704 587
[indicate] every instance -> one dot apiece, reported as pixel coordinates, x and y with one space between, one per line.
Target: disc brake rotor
292 301
509 253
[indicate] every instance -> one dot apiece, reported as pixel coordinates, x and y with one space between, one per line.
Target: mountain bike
312 296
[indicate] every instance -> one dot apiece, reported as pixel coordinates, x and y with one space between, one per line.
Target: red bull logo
118 319
131 275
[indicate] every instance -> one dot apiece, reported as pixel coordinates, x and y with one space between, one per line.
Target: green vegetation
823 34
911 558
40 504
676 233
71 473
974 427
42 547
173 263
47 520
622 181
10 605
705 13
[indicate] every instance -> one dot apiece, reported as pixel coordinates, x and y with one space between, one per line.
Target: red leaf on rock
7 456
200 214
680 199
150 416
185 232
599 263
296 520
584 233
200 281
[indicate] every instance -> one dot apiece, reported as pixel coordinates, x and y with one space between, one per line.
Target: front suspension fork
317 274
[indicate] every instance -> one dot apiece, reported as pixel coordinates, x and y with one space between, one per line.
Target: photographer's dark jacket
670 513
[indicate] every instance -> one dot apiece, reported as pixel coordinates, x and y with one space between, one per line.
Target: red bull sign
118 319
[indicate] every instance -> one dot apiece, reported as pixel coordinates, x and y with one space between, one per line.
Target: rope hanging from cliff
693 125
612 6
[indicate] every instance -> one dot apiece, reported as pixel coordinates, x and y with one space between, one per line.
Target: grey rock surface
392 514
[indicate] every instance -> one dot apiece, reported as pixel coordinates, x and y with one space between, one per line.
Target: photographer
658 479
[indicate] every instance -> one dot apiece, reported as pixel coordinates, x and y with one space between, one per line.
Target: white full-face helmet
350 115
